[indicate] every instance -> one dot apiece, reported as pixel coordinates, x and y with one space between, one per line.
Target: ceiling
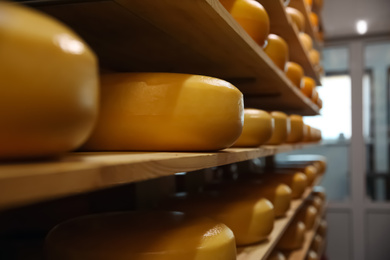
340 16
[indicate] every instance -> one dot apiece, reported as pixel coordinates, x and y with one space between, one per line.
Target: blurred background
355 125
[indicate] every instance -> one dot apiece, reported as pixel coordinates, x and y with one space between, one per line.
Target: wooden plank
282 25
74 173
184 36
262 250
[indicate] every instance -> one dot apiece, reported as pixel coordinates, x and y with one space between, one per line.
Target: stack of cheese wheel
166 112
280 195
49 85
296 181
140 235
252 17
294 236
257 130
281 128
249 217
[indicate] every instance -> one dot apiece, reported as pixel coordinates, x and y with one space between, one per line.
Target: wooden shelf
282 25
262 250
185 36
309 237
74 173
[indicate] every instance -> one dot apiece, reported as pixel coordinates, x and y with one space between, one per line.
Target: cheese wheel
308 86
294 73
49 85
258 128
322 228
309 4
297 18
311 174
317 244
293 237
317 202
296 181
314 96
296 129
277 50
308 216
306 133
279 194
314 20
140 235
281 131
250 219
306 41
312 255
252 16
167 112
314 57
276 255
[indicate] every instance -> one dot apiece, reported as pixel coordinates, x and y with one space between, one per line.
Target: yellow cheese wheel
140 235
49 85
281 131
312 255
276 255
294 73
258 128
314 57
297 18
322 228
314 20
277 50
296 129
296 181
280 195
306 133
314 96
308 86
317 202
167 112
293 237
309 4
320 165
251 219
306 41
311 174
252 16
317 244
308 216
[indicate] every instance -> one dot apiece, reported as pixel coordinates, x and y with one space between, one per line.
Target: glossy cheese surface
167 112
258 128
293 237
297 18
277 50
48 85
252 16
306 41
296 129
308 86
281 129
250 218
140 236
294 73
308 216
311 174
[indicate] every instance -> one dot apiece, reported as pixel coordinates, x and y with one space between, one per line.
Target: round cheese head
277 50
296 129
281 129
293 237
258 128
140 235
49 85
166 112
295 73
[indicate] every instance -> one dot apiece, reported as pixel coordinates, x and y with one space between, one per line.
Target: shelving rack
183 36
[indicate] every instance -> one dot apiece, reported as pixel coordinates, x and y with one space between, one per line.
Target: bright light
361 26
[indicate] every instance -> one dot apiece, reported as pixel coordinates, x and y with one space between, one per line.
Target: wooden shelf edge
262 250
75 173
